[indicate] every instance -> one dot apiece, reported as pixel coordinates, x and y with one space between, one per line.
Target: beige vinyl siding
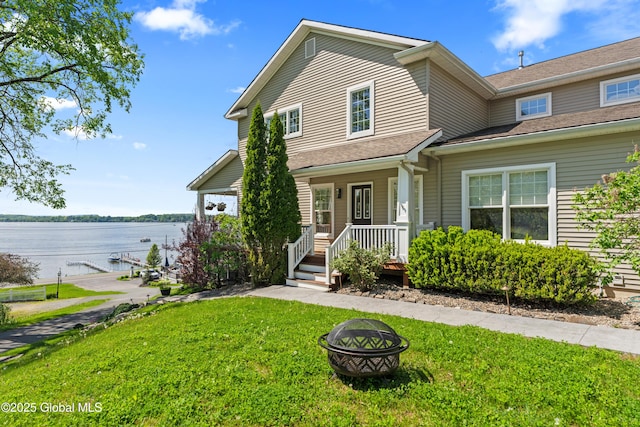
454 107
304 201
320 84
579 163
229 176
378 179
571 98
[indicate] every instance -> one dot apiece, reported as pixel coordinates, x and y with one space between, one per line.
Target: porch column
405 210
200 206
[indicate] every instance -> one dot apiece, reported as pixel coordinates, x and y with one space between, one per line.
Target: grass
67 290
253 361
32 318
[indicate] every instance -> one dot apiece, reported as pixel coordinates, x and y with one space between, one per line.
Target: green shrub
480 262
361 265
5 318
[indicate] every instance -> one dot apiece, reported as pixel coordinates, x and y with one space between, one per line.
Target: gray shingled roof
357 150
555 122
588 59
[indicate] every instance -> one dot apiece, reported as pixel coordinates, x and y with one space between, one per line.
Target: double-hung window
516 202
291 119
360 110
533 107
620 91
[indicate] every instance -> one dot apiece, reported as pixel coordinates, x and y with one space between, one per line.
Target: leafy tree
280 197
17 270
54 53
193 255
225 249
611 209
253 213
154 259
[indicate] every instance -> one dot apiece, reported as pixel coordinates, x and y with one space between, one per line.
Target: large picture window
360 110
517 202
323 209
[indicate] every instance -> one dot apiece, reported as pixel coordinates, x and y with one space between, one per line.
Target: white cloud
181 17
532 22
59 104
77 132
239 89
139 146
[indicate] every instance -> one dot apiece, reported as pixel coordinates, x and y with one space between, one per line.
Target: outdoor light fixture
338 193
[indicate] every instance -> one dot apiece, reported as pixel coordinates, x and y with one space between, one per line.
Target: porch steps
311 274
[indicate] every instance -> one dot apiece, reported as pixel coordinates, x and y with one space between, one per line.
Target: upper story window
291 119
620 91
360 110
533 107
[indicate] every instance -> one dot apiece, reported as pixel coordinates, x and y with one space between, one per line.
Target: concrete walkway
623 340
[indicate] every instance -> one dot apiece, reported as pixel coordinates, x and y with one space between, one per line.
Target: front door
361 204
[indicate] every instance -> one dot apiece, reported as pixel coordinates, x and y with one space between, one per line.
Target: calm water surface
53 244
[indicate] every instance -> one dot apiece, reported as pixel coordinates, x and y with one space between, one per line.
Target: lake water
54 244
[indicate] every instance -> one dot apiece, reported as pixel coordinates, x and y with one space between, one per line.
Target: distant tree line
97 218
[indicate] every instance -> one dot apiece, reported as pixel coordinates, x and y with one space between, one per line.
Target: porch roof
353 151
544 125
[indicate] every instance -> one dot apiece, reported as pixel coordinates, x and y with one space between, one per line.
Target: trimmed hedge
480 262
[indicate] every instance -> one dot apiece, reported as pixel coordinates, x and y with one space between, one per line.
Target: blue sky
200 54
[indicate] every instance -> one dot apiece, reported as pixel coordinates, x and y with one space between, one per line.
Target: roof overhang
442 56
212 170
584 131
563 79
293 41
365 165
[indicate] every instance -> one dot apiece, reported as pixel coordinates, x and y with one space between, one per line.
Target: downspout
438 187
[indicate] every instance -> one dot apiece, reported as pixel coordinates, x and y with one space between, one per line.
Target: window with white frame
533 107
393 199
291 119
323 209
516 202
620 91
360 110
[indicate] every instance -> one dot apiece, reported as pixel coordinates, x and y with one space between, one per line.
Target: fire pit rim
365 352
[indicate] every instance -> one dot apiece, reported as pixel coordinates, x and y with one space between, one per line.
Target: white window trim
286 110
417 180
350 202
603 91
519 102
551 201
333 209
371 131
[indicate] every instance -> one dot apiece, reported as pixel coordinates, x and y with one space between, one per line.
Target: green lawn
253 361
67 290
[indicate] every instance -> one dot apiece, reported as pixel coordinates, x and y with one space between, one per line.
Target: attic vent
310 48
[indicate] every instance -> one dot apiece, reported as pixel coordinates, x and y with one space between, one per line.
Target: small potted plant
165 289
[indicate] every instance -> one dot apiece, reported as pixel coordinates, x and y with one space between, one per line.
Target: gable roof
383 149
293 41
224 160
593 63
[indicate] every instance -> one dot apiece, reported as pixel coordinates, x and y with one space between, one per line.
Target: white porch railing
299 249
370 237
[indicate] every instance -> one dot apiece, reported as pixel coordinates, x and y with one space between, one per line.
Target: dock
133 261
91 264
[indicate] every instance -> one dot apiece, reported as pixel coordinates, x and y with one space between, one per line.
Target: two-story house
389 135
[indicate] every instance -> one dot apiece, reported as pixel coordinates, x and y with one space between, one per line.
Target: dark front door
361 204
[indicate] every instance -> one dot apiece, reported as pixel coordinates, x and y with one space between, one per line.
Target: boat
114 257
145 239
